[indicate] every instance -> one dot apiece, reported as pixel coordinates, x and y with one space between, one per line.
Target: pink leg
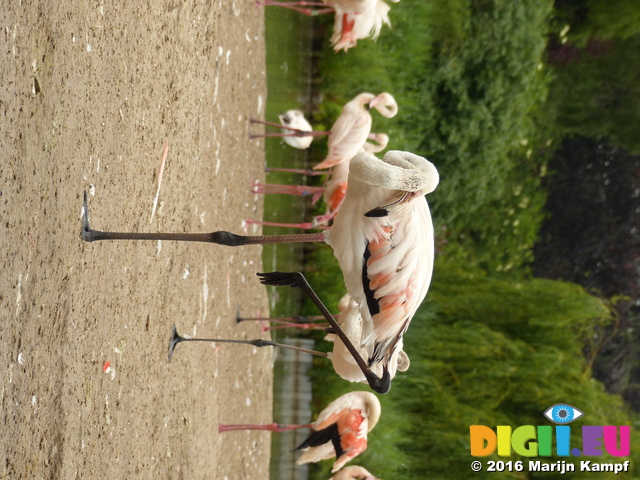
280 135
297 6
297 320
303 226
297 132
263 122
272 427
311 173
301 326
299 190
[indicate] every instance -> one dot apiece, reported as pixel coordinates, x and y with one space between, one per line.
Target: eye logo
562 413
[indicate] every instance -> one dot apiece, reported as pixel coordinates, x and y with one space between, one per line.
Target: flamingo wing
396 272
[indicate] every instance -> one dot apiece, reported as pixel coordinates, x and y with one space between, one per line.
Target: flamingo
340 431
358 19
299 134
352 128
354 19
383 241
350 322
333 192
354 472
348 137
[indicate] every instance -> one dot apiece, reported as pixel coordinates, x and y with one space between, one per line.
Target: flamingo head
385 104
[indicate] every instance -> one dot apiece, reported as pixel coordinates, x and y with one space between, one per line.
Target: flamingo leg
297 6
88 234
176 339
282 324
302 226
297 280
311 173
272 427
300 319
300 190
277 135
295 132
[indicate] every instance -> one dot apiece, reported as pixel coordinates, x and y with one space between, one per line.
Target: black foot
282 279
238 316
175 340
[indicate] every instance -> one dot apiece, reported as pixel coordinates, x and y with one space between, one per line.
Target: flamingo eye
562 413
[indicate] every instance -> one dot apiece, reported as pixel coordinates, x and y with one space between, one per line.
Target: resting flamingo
383 241
299 133
354 19
340 431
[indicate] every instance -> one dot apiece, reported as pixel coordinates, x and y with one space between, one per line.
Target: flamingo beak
373 103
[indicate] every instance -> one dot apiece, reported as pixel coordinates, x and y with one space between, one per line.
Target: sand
89 94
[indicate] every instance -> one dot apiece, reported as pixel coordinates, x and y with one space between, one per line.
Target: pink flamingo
383 241
354 19
347 138
350 322
333 192
352 128
340 431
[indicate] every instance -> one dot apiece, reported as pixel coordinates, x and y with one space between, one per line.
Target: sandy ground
89 92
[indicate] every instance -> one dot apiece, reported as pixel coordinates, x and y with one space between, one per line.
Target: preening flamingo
383 240
340 431
354 19
354 472
352 128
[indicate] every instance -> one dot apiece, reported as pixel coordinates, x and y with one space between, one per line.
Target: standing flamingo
347 138
383 240
354 19
358 19
333 192
354 472
352 128
350 320
340 431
